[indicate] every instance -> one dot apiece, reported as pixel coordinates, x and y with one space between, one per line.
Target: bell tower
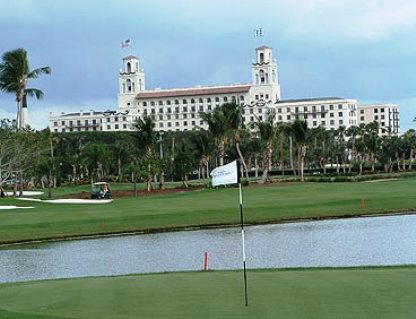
264 73
131 81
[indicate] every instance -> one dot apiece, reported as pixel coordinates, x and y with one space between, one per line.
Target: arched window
261 57
128 67
262 77
128 82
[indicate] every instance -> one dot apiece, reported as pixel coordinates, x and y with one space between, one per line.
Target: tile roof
130 57
194 91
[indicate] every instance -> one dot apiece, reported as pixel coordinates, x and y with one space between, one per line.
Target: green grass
311 293
262 204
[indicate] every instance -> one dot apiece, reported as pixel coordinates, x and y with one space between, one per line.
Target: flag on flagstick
226 174
230 174
125 44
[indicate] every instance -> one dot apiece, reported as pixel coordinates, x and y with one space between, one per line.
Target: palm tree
352 132
14 76
202 147
300 132
219 127
234 113
267 132
146 137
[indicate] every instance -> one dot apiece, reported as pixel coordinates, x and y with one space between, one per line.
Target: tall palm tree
301 134
219 127
352 132
146 137
267 132
202 147
234 113
14 76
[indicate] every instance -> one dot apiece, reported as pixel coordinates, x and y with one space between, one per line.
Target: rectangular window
331 107
340 114
339 106
331 114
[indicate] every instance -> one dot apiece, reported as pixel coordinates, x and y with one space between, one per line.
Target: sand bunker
25 193
12 207
70 201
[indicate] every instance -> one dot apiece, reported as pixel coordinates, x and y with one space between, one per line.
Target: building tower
264 75
131 81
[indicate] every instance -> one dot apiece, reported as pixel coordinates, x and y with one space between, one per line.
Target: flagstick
242 232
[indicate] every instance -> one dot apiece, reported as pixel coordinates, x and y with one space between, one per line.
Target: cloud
354 19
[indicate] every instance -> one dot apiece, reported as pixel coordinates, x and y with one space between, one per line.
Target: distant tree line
43 158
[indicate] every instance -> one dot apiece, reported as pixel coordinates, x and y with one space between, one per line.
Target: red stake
206 261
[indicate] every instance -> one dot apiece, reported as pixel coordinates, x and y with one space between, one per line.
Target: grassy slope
262 204
321 293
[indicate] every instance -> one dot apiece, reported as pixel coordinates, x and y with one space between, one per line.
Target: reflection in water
386 240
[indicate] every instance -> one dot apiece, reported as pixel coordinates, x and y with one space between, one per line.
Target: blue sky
357 49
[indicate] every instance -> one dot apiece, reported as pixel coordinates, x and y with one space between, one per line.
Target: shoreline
201 227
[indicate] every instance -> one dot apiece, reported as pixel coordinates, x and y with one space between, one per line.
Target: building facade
386 115
179 109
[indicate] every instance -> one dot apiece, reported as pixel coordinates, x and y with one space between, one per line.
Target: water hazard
388 240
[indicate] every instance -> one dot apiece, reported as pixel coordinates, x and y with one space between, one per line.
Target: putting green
311 293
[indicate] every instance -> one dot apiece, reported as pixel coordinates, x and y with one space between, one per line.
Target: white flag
226 174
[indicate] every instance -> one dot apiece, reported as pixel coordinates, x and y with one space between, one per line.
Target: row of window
314 108
192 109
217 99
90 122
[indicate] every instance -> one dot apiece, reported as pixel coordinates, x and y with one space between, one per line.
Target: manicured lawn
311 293
205 207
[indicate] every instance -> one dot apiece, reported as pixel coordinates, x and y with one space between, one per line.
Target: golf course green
205 208
309 293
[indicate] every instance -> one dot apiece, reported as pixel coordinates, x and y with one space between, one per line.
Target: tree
146 137
234 113
267 132
219 126
301 134
202 149
14 76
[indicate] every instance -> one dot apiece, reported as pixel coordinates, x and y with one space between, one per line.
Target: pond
386 240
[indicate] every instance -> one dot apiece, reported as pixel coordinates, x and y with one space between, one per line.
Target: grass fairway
311 293
270 203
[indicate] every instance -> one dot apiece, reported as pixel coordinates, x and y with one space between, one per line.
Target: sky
363 50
